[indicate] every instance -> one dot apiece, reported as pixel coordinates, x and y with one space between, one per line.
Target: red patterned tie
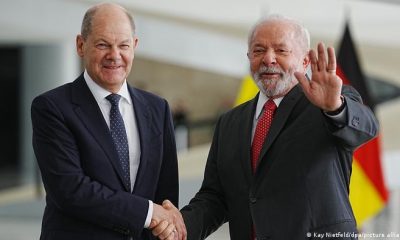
262 128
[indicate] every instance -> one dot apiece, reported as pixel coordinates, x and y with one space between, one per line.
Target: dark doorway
10 63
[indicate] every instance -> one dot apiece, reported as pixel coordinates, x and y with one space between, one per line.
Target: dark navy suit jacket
86 197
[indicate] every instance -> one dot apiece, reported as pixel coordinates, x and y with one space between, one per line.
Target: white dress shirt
262 99
132 133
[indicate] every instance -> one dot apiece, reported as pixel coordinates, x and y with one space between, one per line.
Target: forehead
274 33
111 21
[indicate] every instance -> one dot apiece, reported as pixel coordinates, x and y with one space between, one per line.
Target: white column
43 67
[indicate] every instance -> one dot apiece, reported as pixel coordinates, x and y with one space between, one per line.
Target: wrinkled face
108 51
275 54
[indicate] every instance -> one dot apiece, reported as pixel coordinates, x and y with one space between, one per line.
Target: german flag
368 193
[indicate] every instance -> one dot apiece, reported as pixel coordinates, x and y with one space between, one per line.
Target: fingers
325 87
313 61
160 228
321 57
173 236
181 228
168 212
165 230
331 68
323 63
178 220
153 223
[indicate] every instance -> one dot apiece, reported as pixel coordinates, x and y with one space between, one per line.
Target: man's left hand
324 88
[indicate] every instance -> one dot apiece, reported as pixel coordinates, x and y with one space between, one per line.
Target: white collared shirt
262 99
128 114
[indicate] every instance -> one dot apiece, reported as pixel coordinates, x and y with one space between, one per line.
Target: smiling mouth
264 74
111 67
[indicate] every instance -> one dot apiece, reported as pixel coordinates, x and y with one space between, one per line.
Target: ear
306 61
80 45
135 42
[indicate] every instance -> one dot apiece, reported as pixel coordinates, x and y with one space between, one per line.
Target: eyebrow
126 41
258 45
100 40
282 45
279 45
106 41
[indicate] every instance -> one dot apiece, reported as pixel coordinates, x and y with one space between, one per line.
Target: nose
114 54
269 57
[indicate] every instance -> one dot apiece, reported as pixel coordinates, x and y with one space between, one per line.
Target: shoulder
64 92
147 96
149 100
57 94
239 113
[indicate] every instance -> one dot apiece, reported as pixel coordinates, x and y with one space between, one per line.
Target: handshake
167 222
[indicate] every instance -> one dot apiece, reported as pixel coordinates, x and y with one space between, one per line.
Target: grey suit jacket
301 184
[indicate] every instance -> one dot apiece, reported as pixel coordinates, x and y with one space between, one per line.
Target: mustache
269 70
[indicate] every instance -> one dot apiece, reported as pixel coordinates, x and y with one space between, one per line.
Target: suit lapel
280 118
245 140
89 112
147 132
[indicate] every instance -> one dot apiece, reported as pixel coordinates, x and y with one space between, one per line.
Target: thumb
153 223
304 82
167 204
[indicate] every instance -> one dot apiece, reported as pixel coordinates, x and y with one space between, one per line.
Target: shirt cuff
340 117
149 215
340 114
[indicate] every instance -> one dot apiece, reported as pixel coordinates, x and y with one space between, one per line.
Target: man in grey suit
297 186
106 150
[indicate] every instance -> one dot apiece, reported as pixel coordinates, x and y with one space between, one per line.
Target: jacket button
253 200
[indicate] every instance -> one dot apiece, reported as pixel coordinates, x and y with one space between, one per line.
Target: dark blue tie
118 133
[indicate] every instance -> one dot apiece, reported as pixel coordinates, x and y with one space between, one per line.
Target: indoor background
193 53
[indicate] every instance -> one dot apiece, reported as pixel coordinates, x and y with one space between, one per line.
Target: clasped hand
167 222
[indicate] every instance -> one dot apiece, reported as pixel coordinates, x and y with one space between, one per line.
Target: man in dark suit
106 150
295 183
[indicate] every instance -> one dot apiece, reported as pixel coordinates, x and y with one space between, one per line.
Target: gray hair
301 32
86 27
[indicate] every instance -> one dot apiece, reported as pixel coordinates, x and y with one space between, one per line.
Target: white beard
276 87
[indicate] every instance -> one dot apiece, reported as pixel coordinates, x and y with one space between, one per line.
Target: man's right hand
167 222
